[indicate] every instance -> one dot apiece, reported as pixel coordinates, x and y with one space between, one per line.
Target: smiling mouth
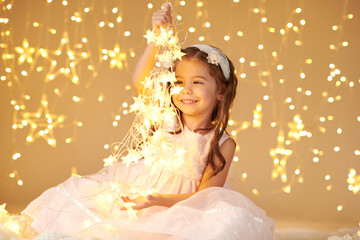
188 101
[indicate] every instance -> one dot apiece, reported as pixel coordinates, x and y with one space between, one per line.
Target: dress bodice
197 147
186 178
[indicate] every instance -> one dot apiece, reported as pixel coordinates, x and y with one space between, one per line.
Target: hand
162 17
142 202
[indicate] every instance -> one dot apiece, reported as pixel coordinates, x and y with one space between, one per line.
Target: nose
187 88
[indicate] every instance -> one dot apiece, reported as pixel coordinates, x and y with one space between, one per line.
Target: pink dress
79 206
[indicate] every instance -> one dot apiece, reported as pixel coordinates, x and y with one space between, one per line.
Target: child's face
200 93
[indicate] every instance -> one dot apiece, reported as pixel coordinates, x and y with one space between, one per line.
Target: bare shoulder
227 148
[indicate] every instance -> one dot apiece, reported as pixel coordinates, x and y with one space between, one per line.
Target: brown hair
220 115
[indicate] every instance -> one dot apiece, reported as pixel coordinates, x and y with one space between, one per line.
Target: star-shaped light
149 36
25 52
138 104
118 58
280 156
167 77
132 156
72 58
176 90
3 210
109 161
42 123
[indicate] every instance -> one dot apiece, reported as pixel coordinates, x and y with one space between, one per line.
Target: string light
257 116
65 61
26 52
354 181
117 57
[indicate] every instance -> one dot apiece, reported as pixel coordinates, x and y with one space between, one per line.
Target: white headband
215 56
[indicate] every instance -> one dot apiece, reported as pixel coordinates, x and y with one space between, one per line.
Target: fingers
162 17
134 204
139 202
125 199
168 13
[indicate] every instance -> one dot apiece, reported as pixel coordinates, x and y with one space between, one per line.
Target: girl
190 203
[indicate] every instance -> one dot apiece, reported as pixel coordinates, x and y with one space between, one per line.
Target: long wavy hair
221 113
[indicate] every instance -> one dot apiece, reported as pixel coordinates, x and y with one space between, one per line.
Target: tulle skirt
213 213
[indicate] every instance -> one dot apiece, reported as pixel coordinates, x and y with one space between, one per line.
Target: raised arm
146 61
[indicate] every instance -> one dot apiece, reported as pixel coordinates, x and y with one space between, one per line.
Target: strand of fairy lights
335 72
148 136
279 163
337 78
296 128
155 109
42 122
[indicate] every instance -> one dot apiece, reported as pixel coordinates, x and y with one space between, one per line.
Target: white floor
292 233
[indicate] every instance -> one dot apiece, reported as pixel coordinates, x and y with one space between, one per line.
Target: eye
178 82
197 82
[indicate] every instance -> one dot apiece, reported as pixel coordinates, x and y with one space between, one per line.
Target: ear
220 95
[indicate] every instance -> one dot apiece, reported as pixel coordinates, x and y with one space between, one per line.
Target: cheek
174 99
208 93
